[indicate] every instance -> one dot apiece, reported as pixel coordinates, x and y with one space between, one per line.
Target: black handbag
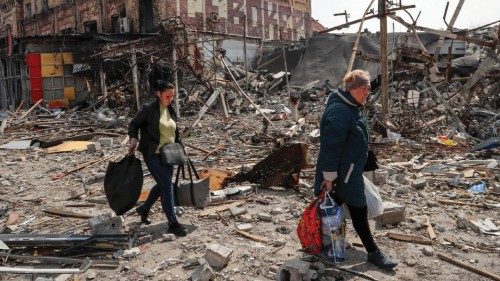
371 162
172 154
192 192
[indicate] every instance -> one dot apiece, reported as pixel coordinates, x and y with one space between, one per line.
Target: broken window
254 16
146 16
115 25
28 10
90 26
45 5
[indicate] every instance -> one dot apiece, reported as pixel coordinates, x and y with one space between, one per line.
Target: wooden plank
63 213
430 230
464 265
78 168
454 202
252 236
31 109
409 238
356 42
221 208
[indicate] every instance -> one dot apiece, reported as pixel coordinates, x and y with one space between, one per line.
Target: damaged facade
34 21
264 18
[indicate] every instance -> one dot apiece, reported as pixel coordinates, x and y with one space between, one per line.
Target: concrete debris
106 225
130 253
236 211
265 217
203 273
244 227
168 237
218 255
296 270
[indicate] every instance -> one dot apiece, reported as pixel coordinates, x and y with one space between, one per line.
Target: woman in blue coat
342 156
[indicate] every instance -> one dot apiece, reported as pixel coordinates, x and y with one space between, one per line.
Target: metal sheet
22 144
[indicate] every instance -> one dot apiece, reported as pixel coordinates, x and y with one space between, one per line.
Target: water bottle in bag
337 251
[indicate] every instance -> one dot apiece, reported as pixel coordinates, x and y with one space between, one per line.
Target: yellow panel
52 70
67 58
51 58
69 146
47 59
69 93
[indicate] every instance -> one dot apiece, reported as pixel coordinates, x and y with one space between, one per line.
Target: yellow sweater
167 128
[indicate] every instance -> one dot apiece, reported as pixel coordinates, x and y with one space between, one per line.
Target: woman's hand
327 185
132 146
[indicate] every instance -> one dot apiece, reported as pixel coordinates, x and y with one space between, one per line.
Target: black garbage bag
123 184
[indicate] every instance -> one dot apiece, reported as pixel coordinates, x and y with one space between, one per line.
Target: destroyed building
54 72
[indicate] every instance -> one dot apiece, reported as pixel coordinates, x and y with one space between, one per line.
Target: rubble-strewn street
250 124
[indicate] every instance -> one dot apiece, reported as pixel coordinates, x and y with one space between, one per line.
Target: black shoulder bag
172 154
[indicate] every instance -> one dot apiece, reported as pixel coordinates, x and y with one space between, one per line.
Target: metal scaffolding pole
383 59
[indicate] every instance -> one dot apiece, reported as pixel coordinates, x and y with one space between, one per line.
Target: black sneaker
143 214
177 229
378 259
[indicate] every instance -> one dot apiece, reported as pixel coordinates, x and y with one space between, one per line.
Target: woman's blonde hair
356 78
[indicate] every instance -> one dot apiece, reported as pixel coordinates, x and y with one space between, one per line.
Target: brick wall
264 17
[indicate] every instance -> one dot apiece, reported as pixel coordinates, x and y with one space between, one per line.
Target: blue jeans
163 187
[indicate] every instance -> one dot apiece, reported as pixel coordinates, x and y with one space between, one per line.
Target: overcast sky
474 13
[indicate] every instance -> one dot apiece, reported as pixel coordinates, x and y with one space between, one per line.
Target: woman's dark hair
162 85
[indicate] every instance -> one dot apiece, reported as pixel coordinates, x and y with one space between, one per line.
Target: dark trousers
163 187
359 217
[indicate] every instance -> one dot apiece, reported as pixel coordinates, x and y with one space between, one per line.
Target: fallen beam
96 263
409 238
61 240
448 34
31 109
33 270
243 93
345 25
223 208
202 112
252 237
63 213
464 265
454 202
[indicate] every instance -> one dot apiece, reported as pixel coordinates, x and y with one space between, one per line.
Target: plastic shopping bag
333 229
374 202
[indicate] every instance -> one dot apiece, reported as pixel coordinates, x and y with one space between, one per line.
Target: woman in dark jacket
342 156
157 125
